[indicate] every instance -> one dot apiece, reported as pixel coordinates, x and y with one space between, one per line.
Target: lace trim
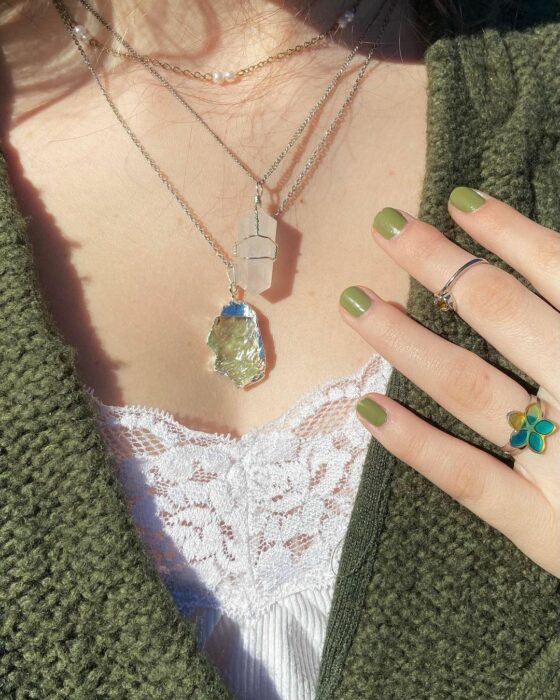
236 524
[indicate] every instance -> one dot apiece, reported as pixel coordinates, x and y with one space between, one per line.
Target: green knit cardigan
430 602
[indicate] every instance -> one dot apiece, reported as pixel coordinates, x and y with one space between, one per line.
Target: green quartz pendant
236 341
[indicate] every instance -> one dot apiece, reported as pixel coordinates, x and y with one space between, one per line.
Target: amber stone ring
444 299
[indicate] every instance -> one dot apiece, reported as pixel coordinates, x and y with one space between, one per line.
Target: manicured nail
371 411
466 199
389 222
355 301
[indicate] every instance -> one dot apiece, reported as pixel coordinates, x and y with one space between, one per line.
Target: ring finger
467 386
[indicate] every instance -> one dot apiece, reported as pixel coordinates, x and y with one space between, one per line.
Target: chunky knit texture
430 602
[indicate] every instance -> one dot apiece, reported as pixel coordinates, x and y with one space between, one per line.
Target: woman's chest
134 286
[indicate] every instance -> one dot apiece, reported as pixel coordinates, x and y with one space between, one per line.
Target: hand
523 502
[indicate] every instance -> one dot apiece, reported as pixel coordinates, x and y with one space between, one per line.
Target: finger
467 386
519 324
531 249
480 482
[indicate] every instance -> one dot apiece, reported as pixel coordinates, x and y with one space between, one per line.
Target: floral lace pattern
236 524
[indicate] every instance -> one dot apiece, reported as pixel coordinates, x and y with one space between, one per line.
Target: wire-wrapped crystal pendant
255 251
235 336
236 340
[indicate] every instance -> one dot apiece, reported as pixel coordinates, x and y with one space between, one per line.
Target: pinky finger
489 488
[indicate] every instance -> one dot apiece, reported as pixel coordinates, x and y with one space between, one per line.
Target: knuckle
388 330
550 337
426 245
417 447
467 484
550 522
461 478
497 296
547 255
468 385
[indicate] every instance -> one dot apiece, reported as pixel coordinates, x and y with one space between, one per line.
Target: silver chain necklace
235 337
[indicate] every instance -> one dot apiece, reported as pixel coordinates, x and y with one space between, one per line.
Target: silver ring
444 299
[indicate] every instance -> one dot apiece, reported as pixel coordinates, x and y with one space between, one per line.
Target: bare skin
129 281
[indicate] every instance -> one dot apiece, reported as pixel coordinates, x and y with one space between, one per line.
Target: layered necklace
224 77
235 337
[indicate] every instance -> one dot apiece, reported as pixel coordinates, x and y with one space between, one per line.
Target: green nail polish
466 199
389 222
355 301
371 411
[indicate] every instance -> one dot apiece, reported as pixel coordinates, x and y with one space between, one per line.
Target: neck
203 35
218 34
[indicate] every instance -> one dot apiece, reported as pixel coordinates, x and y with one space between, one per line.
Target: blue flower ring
530 429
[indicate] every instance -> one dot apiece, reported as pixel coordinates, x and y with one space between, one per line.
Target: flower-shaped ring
530 429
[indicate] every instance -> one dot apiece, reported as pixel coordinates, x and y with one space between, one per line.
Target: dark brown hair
437 17
452 17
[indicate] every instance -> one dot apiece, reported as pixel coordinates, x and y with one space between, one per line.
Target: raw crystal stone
236 340
255 253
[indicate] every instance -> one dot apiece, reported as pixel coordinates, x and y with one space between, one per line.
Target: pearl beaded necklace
222 77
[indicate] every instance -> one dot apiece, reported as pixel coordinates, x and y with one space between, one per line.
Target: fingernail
466 199
389 222
371 411
355 301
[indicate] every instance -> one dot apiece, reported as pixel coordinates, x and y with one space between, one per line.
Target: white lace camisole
246 532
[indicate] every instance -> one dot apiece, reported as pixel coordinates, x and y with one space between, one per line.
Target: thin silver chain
259 182
338 75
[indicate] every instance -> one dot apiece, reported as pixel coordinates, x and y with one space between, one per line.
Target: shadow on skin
48 243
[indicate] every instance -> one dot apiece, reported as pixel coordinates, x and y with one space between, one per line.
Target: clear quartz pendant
255 251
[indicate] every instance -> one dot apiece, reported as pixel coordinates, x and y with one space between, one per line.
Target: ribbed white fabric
277 654
245 532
